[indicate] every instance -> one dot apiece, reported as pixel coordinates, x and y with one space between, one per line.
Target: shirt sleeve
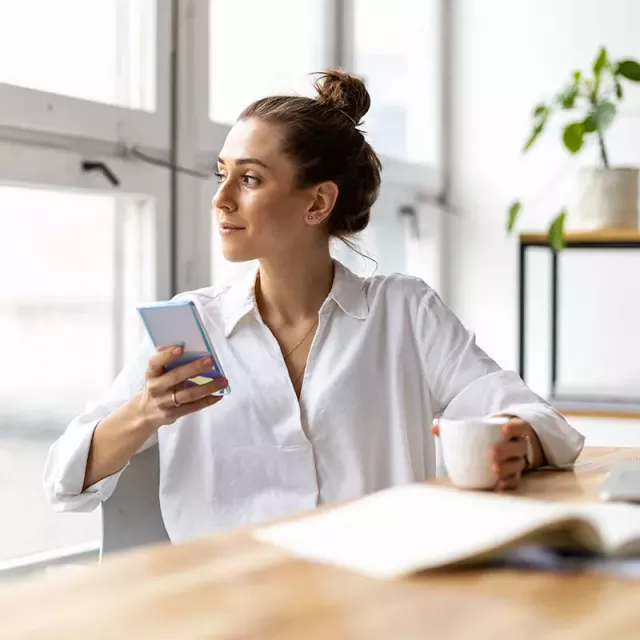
66 461
464 382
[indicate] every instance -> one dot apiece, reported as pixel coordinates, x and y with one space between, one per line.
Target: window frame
38 167
30 110
44 139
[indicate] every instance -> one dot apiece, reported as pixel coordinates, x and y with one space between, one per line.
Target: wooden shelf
599 239
601 413
585 237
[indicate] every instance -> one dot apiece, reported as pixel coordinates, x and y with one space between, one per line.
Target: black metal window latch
92 165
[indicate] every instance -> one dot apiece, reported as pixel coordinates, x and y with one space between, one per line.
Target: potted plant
608 195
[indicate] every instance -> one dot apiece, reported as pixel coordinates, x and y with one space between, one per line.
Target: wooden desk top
230 586
585 237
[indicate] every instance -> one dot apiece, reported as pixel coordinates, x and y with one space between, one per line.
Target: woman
336 380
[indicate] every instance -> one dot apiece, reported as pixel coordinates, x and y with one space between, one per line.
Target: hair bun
345 92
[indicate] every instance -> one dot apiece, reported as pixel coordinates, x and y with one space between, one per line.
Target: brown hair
321 136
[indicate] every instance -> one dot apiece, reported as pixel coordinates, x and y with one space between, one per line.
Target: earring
309 217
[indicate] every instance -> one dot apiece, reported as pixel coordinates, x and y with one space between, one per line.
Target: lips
227 226
228 230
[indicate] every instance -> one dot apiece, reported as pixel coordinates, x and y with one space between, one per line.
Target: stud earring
309 217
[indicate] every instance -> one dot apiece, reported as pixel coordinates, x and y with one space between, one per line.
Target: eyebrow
246 161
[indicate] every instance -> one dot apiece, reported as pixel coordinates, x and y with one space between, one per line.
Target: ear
324 196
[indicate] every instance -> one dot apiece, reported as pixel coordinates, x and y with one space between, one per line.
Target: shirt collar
348 292
240 300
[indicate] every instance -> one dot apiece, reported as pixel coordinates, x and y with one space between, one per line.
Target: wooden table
230 586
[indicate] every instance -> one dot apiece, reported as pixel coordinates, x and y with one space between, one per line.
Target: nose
223 198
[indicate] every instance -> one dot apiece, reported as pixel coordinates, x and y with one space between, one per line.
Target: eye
219 177
250 181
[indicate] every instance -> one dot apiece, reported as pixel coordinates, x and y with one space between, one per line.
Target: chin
236 254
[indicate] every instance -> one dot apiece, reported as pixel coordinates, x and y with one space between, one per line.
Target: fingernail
207 362
177 351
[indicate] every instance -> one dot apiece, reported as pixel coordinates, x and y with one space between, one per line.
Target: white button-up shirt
388 357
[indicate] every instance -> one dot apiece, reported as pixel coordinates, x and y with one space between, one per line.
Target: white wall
508 55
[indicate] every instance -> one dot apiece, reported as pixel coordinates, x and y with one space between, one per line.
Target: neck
291 290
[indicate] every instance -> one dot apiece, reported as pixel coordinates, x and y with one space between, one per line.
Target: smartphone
622 483
178 323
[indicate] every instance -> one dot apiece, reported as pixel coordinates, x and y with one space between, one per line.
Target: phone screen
179 323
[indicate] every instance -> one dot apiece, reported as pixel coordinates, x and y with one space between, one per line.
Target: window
87 80
101 50
270 46
78 82
94 70
401 66
260 48
79 263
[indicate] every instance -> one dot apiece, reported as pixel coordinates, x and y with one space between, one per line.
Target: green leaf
512 215
537 130
599 62
618 89
589 123
576 77
573 137
604 115
540 116
629 69
555 235
540 110
568 98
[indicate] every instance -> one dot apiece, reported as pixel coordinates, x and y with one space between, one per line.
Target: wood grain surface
598 235
230 586
623 414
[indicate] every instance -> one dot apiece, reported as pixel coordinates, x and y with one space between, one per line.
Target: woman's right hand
163 387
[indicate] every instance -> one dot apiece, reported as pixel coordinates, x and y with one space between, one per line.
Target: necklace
304 337
295 382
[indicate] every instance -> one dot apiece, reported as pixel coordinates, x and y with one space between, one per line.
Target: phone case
179 323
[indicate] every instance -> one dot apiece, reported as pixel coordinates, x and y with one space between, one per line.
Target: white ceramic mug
466 449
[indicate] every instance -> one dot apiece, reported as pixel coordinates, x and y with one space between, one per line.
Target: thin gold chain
295 382
304 337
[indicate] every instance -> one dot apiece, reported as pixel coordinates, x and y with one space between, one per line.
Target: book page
406 529
618 524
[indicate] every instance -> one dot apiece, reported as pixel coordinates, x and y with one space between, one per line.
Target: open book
416 527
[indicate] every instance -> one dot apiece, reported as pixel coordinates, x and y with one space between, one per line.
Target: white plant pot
608 199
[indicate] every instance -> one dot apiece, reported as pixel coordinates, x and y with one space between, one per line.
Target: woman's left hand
509 457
